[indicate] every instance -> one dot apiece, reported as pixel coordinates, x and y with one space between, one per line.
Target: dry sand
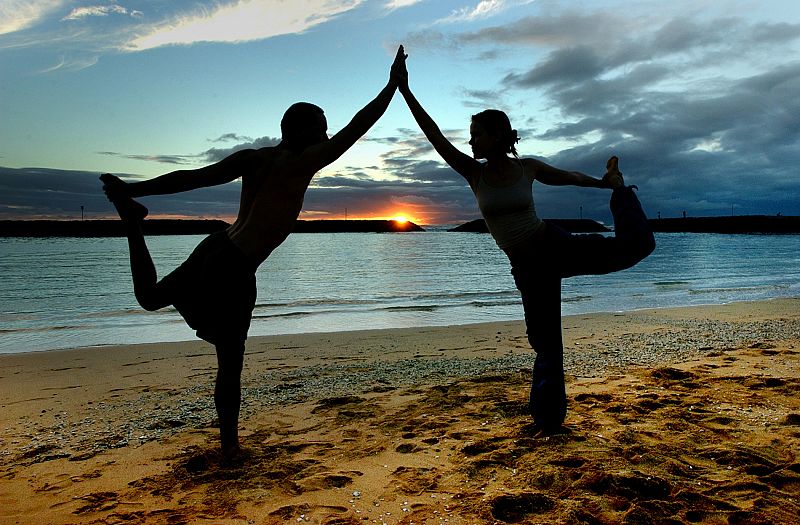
687 415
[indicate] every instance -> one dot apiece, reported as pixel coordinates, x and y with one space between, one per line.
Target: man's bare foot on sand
539 431
613 177
234 456
128 209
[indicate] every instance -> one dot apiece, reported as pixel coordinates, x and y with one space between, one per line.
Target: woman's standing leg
540 287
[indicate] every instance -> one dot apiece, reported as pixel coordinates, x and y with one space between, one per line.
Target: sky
699 99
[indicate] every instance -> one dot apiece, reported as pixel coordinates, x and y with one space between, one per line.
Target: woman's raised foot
613 177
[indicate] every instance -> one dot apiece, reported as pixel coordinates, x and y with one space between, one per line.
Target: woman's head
491 132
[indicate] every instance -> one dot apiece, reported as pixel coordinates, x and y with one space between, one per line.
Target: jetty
732 224
570 225
114 228
737 224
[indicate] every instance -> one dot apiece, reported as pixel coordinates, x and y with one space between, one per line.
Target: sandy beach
687 415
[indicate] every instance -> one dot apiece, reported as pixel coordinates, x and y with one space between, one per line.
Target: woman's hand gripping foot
613 177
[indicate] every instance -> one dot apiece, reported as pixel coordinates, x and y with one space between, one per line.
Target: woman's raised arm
462 163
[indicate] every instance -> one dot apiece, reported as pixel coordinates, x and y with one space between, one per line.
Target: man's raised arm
324 153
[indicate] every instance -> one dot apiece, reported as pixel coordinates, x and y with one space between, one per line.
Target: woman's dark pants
538 273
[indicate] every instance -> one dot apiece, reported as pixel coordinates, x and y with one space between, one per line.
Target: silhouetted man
215 289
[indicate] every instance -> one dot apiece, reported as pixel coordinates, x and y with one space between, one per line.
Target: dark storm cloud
209 156
163 159
231 137
216 154
703 113
416 185
693 130
441 201
31 193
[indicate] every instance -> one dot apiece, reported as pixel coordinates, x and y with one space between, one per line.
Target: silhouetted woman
540 254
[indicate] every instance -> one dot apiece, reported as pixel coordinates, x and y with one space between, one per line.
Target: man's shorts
215 290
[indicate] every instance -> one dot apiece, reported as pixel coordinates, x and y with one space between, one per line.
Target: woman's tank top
509 211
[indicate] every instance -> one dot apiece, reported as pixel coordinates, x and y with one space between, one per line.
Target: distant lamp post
81 212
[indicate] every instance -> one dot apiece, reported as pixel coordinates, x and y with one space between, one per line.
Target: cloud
398 4
693 149
163 159
702 111
423 188
71 64
483 9
429 191
101 10
217 154
87 32
16 15
38 193
207 157
242 21
695 107
228 137
551 29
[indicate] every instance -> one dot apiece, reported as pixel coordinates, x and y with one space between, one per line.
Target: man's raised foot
129 210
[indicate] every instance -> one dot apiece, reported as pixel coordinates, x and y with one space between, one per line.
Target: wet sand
686 415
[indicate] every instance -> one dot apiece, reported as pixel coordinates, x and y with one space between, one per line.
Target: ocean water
72 292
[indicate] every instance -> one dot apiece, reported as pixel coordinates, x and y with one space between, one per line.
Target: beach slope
686 415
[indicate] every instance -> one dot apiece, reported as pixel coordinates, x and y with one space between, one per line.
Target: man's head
303 125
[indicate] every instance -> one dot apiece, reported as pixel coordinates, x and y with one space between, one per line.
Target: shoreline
416 327
432 416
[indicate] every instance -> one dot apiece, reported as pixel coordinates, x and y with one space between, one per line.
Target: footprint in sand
348 407
514 508
481 447
406 448
747 459
97 501
332 402
305 512
628 485
669 375
416 480
792 420
329 481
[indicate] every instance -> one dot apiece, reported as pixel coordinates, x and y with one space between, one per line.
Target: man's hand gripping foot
116 190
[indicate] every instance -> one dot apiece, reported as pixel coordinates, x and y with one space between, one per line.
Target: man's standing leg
228 395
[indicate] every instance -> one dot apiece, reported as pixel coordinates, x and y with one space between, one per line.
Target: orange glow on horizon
401 217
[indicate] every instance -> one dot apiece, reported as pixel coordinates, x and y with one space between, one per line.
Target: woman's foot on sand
128 209
613 176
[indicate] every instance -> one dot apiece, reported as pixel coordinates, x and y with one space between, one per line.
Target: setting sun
400 218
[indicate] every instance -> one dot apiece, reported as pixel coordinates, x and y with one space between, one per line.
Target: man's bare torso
273 186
